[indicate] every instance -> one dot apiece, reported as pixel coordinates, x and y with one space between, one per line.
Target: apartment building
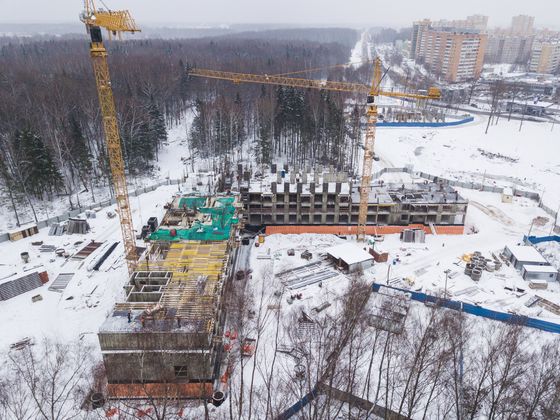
504 48
456 54
545 57
522 25
474 22
334 200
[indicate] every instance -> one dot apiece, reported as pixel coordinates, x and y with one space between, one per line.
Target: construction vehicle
372 92
115 22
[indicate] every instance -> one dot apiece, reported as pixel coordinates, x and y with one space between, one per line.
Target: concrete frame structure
332 200
164 340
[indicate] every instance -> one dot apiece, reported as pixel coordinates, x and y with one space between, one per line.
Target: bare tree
49 380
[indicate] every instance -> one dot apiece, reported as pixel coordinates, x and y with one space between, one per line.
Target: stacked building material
25 283
86 251
413 236
77 226
61 281
23 232
56 229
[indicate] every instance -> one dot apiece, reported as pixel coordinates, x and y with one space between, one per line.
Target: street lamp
446 276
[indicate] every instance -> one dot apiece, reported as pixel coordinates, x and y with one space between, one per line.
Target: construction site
296 201
165 339
281 276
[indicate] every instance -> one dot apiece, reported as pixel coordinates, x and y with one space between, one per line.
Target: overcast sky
301 12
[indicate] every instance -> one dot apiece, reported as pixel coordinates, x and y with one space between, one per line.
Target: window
181 371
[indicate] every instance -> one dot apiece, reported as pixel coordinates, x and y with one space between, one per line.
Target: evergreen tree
42 174
8 185
264 142
199 132
80 156
157 130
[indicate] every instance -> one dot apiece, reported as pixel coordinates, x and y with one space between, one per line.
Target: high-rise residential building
545 57
522 25
456 54
477 22
418 29
509 49
474 22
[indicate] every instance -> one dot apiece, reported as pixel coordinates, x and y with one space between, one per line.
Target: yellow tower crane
115 22
372 92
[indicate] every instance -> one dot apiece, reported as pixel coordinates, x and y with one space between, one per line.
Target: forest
51 140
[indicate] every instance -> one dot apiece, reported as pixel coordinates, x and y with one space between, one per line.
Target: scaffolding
189 284
222 217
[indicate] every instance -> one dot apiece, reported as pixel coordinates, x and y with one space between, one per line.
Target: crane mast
115 22
367 166
372 91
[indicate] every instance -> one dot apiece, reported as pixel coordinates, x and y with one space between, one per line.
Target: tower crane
372 92
115 22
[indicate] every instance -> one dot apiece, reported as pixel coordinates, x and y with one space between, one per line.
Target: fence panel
104 203
478 310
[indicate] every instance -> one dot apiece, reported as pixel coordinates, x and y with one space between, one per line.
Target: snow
461 153
359 53
77 312
526 254
173 162
539 268
349 253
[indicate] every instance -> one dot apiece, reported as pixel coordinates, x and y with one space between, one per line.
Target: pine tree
157 129
9 185
80 156
199 132
37 162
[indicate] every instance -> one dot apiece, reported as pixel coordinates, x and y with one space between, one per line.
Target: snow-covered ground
528 157
78 311
172 163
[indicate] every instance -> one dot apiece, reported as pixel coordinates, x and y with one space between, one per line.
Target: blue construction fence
477 310
540 239
298 406
425 124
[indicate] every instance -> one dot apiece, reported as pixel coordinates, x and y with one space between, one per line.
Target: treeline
288 125
443 364
50 114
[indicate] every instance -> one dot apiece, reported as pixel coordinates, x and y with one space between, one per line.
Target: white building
350 257
507 195
539 272
521 255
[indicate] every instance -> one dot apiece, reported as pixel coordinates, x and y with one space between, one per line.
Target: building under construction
296 202
164 339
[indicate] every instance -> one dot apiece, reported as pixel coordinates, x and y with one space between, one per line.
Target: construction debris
20 345
47 248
